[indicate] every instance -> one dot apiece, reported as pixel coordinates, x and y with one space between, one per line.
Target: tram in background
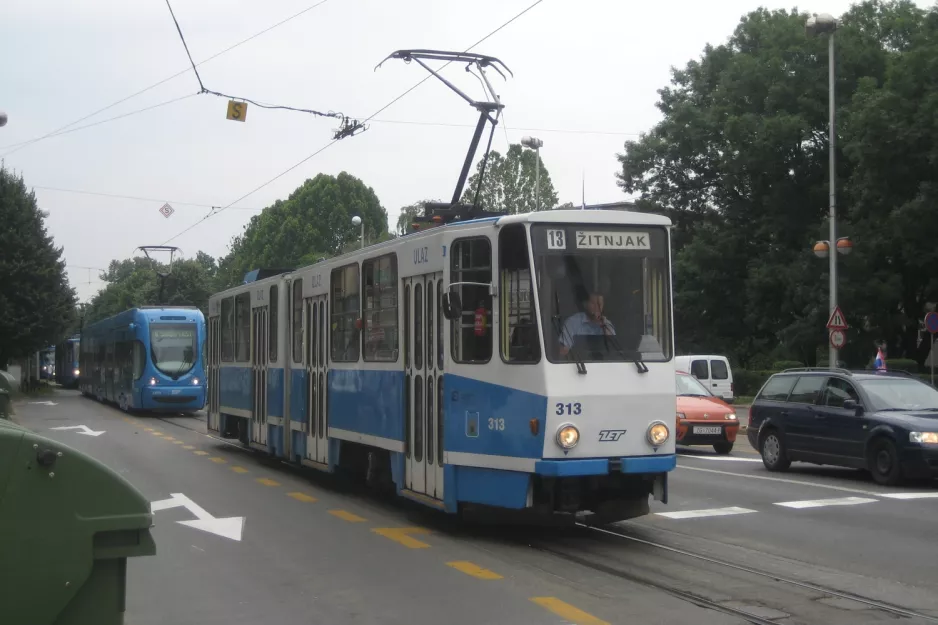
66 362
442 362
148 359
46 359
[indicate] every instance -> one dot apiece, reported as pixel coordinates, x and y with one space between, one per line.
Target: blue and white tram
443 363
148 358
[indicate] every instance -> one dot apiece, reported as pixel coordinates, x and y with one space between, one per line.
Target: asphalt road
315 550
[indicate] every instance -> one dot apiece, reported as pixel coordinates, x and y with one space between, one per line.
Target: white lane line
781 479
932 495
725 458
823 503
696 514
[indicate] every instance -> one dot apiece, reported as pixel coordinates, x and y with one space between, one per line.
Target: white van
714 372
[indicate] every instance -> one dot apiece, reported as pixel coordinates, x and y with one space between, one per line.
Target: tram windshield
173 347
604 292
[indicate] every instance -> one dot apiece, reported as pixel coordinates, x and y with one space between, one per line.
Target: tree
37 303
739 163
406 217
509 183
134 282
314 222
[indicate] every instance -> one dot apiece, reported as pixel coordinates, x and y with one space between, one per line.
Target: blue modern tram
46 363
440 363
147 359
66 362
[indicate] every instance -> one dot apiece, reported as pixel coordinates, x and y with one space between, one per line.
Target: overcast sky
586 75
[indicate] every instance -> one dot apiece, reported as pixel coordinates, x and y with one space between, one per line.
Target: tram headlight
77 372
657 434
568 436
195 381
152 381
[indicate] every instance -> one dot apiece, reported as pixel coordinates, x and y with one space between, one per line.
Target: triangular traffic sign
837 320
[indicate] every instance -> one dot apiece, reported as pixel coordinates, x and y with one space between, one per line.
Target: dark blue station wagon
886 423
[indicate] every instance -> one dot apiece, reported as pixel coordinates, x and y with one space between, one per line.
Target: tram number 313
496 424
571 409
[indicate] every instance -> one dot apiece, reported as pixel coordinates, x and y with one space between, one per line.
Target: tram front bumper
174 398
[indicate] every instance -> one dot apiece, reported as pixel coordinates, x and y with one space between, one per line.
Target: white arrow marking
84 430
44 403
228 527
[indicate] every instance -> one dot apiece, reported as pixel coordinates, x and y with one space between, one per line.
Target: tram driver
590 322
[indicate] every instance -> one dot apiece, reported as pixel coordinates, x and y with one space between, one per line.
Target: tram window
418 415
518 338
298 320
346 343
439 324
379 282
407 326
430 291
322 334
272 324
227 329
243 327
418 326
439 421
431 400
472 331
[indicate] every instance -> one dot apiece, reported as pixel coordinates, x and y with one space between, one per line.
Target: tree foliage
135 282
739 163
510 181
315 221
36 301
406 217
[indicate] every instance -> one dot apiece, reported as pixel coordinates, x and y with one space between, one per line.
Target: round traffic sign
931 322
838 339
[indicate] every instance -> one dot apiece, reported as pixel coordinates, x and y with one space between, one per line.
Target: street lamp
357 221
817 25
535 144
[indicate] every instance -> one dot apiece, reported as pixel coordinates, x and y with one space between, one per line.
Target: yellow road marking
474 569
156 433
267 481
239 469
168 438
188 446
402 535
218 460
178 442
346 516
147 429
567 612
302 497
200 453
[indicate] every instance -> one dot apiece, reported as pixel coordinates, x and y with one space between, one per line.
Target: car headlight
195 381
77 372
657 434
152 381
924 437
681 415
568 436
731 416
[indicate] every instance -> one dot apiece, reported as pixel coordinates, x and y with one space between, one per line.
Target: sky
586 80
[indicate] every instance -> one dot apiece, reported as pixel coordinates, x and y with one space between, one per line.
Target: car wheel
883 462
723 448
773 450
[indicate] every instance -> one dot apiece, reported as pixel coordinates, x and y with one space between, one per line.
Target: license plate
700 429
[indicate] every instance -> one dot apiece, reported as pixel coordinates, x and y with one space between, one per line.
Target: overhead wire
161 82
326 146
349 127
138 198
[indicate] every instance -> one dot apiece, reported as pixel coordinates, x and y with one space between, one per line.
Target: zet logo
610 436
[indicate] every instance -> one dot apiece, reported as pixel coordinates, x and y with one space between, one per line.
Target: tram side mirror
452 306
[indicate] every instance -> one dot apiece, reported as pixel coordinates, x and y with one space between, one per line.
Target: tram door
259 356
317 428
422 375
214 383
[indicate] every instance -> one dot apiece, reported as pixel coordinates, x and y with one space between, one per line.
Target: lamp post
357 221
535 144
3 118
817 25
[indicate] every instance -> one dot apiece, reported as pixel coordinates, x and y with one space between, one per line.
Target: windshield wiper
639 364
558 327
185 366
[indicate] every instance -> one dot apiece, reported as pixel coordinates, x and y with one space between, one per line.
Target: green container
67 526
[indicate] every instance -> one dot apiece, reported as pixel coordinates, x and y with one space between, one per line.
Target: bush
904 364
781 365
747 383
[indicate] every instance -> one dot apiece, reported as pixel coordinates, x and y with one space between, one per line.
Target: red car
702 418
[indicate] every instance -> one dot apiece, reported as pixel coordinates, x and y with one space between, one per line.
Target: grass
742 400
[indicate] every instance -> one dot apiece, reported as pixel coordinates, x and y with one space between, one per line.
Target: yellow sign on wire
237 111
